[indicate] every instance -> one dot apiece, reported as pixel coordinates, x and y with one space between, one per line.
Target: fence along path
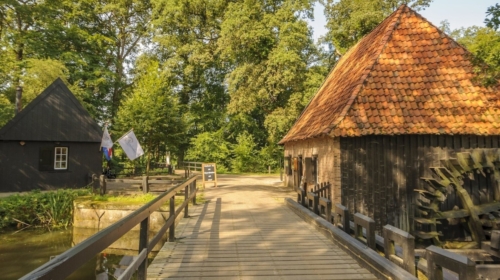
245 231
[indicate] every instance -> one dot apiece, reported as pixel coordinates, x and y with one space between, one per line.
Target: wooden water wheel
480 219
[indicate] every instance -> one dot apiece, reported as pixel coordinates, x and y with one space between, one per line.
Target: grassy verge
54 209
39 209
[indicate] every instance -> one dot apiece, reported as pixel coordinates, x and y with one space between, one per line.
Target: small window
61 158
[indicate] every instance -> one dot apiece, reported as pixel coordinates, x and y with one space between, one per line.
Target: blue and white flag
106 141
107 145
130 145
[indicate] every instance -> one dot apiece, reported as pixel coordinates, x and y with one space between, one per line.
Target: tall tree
186 33
349 20
270 45
21 24
102 40
152 110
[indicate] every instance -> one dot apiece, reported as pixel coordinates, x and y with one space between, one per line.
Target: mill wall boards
209 173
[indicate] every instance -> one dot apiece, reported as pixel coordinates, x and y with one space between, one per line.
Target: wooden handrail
192 165
66 263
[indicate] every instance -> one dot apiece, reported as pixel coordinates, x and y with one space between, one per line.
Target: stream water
22 252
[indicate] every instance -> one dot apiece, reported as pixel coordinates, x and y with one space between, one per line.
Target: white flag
106 139
130 145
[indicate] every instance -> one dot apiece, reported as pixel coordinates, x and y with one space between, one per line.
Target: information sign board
209 173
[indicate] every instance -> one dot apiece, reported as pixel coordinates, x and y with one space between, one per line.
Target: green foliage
40 73
210 147
245 156
493 17
270 45
7 110
48 209
484 44
187 32
349 20
151 110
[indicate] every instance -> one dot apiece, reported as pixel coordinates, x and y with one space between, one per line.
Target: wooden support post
193 188
329 211
313 199
171 230
361 221
95 184
438 258
325 205
102 185
393 236
143 244
342 217
301 196
186 197
145 185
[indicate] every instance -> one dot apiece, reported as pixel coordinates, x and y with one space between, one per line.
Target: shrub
210 147
245 155
48 209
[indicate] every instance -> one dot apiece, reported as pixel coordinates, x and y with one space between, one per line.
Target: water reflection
22 252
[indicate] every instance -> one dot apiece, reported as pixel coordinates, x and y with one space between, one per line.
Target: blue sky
459 13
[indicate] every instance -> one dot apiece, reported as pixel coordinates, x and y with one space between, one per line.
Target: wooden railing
100 184
191 165
66 263
141 170
397 245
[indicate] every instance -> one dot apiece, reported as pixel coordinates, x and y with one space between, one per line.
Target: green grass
131 199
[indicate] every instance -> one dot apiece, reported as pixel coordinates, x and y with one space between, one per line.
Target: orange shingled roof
405 77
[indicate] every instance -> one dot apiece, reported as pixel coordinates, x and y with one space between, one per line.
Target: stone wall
328 151
89 218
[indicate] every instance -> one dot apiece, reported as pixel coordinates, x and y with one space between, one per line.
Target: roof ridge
395 17
24 112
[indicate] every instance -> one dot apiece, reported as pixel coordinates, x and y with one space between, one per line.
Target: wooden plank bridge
245 231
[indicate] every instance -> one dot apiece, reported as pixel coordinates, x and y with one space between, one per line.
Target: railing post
361 221
193 188
186 197
393 236
95 184
145 185
342 217
328 210
142 271
437 258
313 199
102 184
171 230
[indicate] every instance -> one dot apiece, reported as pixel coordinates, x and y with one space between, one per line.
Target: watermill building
399 127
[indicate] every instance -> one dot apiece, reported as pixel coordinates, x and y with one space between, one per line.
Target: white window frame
63 160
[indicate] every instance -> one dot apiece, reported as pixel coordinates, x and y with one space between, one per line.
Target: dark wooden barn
399 128
52 143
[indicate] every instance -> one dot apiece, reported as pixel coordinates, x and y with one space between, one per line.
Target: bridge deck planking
244 232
